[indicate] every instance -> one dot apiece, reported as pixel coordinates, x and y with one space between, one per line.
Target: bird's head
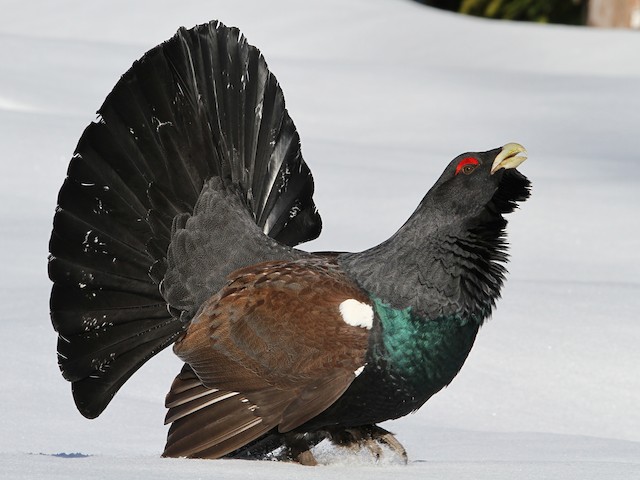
449 256
476 182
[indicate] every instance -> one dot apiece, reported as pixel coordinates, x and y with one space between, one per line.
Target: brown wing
271 349
207 423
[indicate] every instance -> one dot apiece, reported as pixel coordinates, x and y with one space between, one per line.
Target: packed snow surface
384 93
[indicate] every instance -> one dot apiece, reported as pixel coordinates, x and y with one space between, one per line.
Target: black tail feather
93 393
201 105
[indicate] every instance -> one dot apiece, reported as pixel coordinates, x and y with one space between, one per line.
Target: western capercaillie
177 224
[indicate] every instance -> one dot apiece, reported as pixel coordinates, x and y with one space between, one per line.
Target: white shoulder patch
356 314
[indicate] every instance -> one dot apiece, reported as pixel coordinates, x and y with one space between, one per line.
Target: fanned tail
200 110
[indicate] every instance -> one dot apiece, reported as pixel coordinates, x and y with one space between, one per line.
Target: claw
299 450
392 442
370 437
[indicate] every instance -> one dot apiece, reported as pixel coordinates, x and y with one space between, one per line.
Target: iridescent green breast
410 358
425 353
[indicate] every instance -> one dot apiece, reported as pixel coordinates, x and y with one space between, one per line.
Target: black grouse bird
176 224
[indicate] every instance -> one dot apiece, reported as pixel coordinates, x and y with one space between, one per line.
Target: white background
384 94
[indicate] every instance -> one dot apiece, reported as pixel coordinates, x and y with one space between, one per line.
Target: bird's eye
467 165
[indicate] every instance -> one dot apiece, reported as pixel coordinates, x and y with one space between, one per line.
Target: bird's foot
298 449
371 437
368 442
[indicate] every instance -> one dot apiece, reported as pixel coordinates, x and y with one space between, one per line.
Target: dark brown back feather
275 335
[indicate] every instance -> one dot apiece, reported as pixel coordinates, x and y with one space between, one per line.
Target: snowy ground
384 94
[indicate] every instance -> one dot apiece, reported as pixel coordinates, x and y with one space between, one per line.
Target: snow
384 94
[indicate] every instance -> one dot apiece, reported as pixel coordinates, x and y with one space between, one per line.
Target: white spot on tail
356 314
358 371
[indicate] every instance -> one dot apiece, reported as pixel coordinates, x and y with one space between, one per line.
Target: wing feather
275 335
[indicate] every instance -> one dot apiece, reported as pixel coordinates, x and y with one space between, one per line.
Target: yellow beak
508 157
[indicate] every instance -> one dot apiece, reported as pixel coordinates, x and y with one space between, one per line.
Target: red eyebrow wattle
466 161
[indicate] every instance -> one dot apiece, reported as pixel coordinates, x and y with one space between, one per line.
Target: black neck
438 264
